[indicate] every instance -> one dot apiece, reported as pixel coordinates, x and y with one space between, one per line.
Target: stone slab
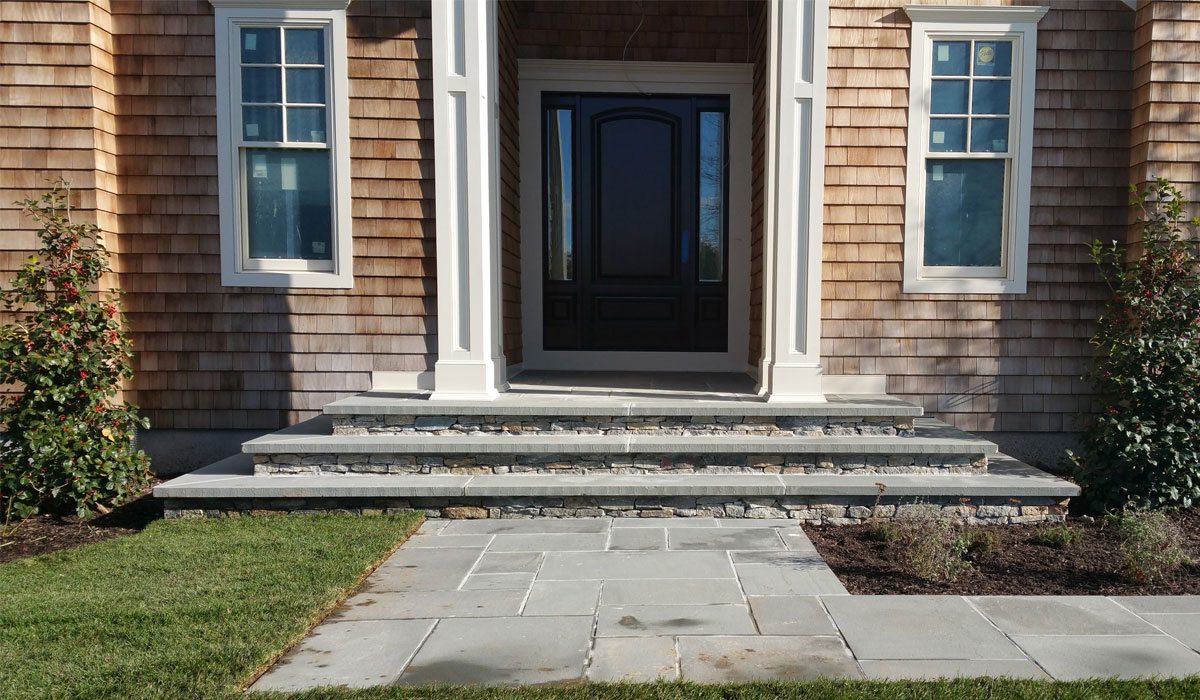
424 569
931 669
502 651
354 654
550 542
724 539
559 566
508 562
917 627
733 659
1184 627
537 526
412 605
1158 604
791 615
563 598
498 582
778 523
660 522
1121 656
546 485
1060 615
672 620
633 660
712 591
1006 478
420 541
789 579
637 538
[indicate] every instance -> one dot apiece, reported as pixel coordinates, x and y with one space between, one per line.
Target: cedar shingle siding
119 97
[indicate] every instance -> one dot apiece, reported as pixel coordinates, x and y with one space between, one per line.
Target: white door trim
536 76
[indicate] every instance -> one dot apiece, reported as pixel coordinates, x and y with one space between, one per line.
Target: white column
470 360
797 58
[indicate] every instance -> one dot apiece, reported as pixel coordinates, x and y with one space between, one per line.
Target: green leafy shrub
1152 546
67 444
1058 535
982 542
936 549
1143 449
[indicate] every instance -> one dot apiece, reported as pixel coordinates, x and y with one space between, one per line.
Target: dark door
636 222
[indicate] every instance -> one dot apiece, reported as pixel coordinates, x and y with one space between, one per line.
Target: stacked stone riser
813 510
625 464
776 426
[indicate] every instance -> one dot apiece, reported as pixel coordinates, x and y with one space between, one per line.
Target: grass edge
329 608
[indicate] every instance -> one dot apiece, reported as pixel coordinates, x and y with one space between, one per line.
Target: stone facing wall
774 426
808 510
640 464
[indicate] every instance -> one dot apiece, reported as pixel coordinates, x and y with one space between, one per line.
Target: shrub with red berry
67 444
1143 449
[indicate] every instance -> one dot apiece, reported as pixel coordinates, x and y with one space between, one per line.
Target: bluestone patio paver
637 565
1157 604
633 660
784 615
1060 615
1078 657
502 651
673 620
721 659
1184 627
933 669
732 600
637 538
723 539
917 627
430 604
563 598
673 591
355 654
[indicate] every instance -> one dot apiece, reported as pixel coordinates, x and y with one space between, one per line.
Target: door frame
735 80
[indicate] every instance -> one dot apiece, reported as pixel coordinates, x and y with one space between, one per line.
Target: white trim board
536 76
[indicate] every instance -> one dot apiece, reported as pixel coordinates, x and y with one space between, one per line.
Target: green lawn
191 609
183 609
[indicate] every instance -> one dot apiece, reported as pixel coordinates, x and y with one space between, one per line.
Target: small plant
68 442
1058 535
883 530
1141 451
936 549
982 542
1152 546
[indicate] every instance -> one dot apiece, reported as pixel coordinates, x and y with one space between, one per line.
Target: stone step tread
233 478
587 403
314 437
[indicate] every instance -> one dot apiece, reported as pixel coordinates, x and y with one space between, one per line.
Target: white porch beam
796 81
470 360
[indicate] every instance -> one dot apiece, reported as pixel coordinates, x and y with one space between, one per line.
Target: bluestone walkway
556 601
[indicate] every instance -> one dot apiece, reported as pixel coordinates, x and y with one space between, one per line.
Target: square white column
470 360
797 58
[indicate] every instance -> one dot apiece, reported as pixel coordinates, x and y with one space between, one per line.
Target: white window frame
946 23
237 268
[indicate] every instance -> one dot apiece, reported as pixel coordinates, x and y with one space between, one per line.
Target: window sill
289 280
959 285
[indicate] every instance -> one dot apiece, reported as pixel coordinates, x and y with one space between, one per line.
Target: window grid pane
289 76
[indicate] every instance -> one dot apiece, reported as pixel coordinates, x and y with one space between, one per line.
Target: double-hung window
283 139
969 149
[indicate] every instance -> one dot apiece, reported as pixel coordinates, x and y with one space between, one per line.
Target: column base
790 383
471 380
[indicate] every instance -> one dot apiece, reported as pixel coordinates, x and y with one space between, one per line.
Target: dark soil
43 534
1018 566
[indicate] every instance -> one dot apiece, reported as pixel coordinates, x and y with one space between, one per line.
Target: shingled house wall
983 362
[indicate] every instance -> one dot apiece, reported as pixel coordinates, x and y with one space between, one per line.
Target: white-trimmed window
283 144
970 149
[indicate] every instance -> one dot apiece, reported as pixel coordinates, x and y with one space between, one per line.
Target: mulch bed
1018 567
43 534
